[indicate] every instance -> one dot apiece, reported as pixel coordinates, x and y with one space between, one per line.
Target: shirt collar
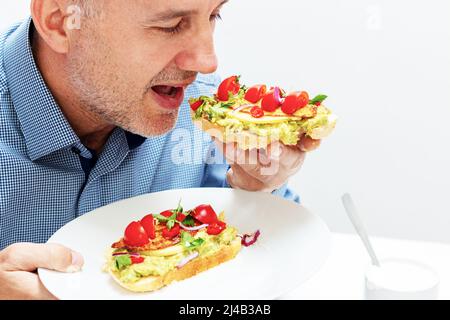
43 124
134 141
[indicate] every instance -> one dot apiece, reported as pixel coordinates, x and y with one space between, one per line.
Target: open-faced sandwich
172 246
254 117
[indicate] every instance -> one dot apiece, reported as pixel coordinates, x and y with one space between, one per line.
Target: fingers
277 162
19 262
307 144
289 157
21 285
30 257
261 170
253 160
264 170
238 178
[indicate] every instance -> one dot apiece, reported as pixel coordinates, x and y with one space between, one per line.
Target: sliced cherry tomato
271 100
290 105
229 85
255 93
136 259
295 101
148 223
257 112
303 99
172 233
135 235
205 214
167 213
318 103
195 105
216 228
181 217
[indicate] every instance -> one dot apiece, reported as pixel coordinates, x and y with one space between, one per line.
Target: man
90 114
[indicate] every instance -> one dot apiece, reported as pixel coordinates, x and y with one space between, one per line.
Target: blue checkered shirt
48 177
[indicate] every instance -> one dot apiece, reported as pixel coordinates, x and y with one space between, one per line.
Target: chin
156 125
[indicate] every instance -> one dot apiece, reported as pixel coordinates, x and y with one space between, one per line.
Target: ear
49 20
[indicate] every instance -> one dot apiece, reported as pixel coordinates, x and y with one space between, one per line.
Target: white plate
294 244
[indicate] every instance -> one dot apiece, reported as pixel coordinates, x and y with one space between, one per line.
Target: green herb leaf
170 224
199 113
189 221
320 98
179 208
161 218
189 242
227 105
170 221
122 262
209 100
197 243
216 112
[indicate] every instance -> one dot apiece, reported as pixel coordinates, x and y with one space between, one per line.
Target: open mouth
168 96
166 90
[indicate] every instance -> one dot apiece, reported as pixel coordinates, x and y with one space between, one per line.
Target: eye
216 17
172 30
176 29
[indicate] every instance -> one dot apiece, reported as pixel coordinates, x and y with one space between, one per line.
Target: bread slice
247 140
195 266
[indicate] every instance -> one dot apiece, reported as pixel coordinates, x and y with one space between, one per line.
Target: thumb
30 257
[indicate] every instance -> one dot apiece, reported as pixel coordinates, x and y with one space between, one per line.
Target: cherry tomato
318 103
148 223
255 93
295 101
167 213
205 214
228 85
303 99
135 235
216 228
181 217
195 105
136 259
172 233
257 112
271 100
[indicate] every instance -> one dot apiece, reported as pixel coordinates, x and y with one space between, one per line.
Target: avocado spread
162 261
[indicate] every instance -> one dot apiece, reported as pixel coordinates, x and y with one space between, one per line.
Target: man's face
131 65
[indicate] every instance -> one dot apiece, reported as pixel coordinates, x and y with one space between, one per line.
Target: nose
199 55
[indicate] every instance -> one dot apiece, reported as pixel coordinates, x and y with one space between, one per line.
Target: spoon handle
359 226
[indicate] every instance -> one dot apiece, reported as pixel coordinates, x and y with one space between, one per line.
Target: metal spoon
357 222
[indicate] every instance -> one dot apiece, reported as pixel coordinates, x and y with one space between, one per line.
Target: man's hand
18 265
265 170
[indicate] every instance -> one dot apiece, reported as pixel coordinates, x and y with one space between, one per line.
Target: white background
386 67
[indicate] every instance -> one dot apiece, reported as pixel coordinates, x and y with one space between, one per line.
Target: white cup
401 279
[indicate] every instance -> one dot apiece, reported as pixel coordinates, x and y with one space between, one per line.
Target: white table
342 276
